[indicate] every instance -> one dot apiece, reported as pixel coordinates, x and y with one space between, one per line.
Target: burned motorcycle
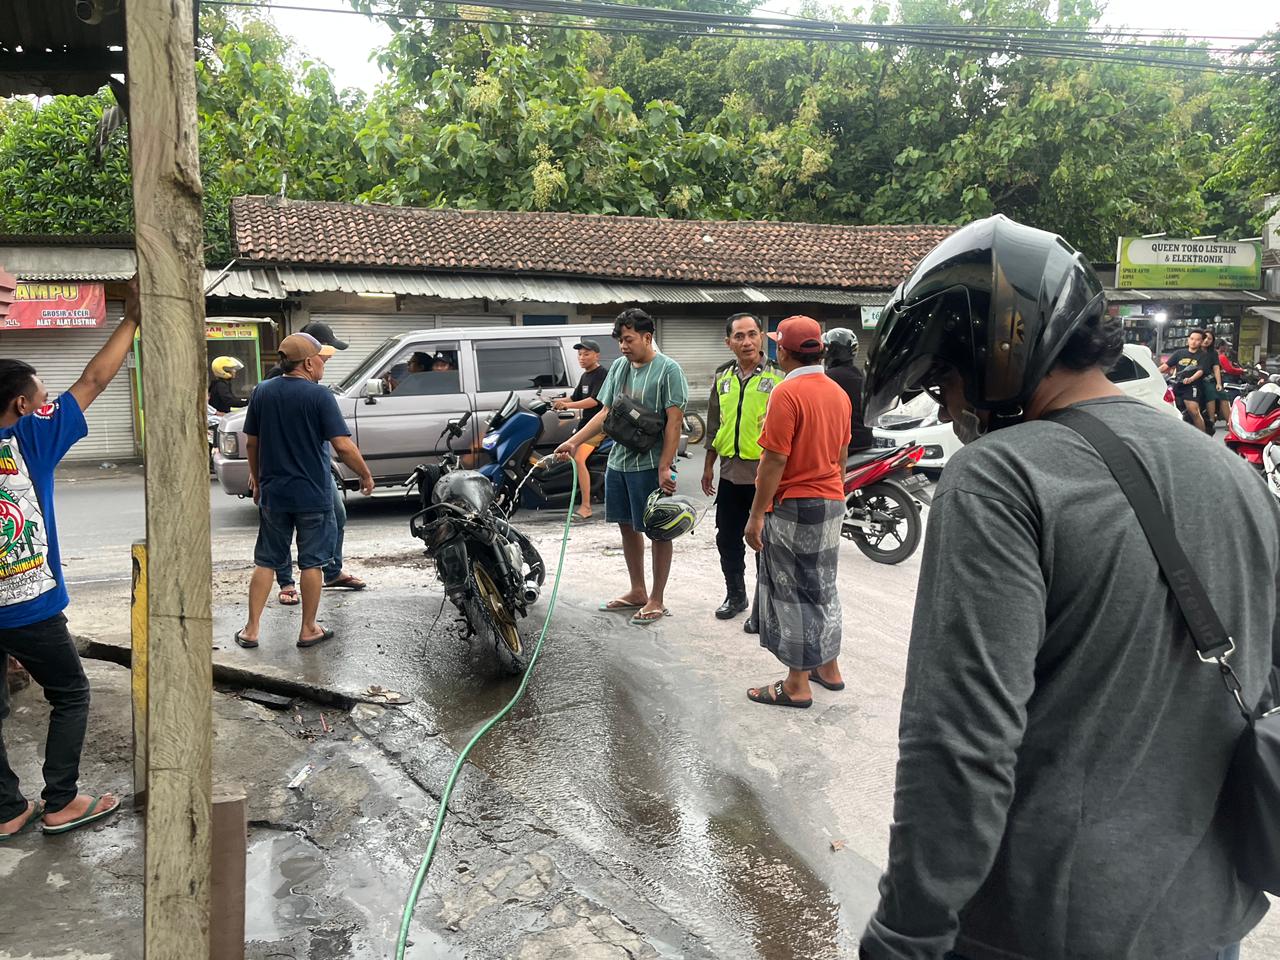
490 570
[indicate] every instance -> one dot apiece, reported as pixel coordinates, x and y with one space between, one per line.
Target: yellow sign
231 331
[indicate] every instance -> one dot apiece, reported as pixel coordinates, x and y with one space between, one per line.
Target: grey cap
585 344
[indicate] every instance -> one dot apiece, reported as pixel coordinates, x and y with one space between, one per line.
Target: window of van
423 369
519 365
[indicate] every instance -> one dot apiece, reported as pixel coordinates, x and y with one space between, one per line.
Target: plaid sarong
799 610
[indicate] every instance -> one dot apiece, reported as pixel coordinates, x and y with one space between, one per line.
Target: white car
916 421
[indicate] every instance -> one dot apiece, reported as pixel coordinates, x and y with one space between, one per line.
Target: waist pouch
634 425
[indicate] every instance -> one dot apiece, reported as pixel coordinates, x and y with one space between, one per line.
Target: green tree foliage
520 115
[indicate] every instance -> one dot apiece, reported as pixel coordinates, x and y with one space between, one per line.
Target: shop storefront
1164 289
57 327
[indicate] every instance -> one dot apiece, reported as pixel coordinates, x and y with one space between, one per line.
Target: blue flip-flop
37 810
90 815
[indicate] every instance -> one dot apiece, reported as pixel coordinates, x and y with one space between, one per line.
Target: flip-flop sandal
619 606
779 697
813 676
245 641
580 519
326 635
89 816
346 582
643 619
37 811
289 597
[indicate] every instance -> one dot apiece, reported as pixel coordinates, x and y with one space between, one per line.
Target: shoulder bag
1251 794
630 422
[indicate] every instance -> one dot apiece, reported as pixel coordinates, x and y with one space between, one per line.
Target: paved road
635 744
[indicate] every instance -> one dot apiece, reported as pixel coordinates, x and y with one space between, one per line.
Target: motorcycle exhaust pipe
531 593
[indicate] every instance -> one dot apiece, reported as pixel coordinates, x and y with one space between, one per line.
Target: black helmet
841 344
667 516
997 301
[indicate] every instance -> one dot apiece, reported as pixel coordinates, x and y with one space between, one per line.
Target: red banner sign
56 306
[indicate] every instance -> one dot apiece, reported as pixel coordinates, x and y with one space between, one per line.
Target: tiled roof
268 230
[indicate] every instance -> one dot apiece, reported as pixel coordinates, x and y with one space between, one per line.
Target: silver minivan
398 400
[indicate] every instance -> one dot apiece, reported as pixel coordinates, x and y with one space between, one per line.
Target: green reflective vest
742 407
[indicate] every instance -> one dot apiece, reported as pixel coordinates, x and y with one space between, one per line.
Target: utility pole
164 155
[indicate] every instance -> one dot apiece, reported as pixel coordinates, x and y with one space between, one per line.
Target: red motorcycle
1255 422
883 499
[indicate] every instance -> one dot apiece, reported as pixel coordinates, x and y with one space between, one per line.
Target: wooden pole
230 857
166 203
138 672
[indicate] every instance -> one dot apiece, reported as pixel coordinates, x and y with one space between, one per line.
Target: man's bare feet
10 827
78 807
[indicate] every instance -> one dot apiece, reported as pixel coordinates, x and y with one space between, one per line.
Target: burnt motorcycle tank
468 489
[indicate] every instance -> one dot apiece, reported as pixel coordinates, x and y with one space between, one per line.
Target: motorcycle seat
865 457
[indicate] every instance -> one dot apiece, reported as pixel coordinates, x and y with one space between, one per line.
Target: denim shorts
626 494
316 535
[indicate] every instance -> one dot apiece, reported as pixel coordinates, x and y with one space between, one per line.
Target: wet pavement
639 804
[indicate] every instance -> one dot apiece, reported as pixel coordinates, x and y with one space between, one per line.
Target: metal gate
59 357
697 344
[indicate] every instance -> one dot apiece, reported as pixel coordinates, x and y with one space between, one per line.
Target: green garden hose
415 891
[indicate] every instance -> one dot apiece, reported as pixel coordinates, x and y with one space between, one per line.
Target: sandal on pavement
643 619
89 816
311 642
34 813
289 597
579 518
778 697
346 582
814 678
244 641
619 605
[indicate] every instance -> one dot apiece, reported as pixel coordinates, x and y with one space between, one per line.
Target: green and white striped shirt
658 384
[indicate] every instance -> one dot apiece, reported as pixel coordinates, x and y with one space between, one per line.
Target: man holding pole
35 434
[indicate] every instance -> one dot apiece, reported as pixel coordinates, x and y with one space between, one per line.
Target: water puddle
277 867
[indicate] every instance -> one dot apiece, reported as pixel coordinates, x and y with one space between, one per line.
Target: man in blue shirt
290 424
35 434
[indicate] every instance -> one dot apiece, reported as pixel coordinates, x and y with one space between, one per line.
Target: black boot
751 625
735 600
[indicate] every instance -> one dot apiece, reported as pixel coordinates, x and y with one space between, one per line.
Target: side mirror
374 388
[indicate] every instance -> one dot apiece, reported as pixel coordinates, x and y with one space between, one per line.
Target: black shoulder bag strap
1213 643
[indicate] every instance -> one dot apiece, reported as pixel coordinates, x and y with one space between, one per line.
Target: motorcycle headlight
229 444
1238 428
489 442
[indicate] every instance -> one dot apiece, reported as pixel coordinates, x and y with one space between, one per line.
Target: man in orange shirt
795 518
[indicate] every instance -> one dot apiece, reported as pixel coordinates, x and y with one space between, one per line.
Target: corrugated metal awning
1189 296
276 283
1271 313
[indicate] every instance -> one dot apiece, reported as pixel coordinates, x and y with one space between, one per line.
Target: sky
344 42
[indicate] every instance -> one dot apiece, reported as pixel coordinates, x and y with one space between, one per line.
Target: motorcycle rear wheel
485 607
893 507
695 427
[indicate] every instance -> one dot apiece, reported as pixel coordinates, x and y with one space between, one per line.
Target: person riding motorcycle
842 348
221 397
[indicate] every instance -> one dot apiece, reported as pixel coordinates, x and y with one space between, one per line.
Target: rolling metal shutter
363 333
697 344
59 357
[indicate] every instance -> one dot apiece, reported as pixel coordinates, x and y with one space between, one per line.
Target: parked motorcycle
1271 468
1255 422
512 436
883 499
490 570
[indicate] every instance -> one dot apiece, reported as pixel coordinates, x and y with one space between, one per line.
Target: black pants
49 654
733 509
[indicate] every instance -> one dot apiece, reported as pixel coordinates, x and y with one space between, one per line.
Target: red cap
799 335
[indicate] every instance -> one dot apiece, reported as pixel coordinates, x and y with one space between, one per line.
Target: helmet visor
913 343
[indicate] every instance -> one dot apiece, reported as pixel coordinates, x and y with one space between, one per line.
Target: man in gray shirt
1062 747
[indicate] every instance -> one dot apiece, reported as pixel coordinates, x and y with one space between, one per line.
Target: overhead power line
985 40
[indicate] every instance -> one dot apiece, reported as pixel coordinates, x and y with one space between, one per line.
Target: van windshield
362 372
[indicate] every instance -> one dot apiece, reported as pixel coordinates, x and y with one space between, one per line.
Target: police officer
735 416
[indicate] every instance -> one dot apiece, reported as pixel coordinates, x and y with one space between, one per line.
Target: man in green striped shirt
656 382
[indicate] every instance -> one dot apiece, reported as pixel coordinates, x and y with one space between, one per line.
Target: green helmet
667 517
